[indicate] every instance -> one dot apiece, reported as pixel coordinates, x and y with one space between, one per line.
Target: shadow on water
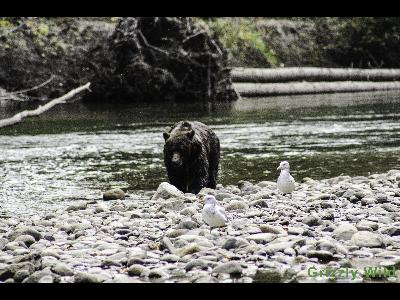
77 151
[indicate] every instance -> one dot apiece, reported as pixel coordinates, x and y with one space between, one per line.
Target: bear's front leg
177 180
200 179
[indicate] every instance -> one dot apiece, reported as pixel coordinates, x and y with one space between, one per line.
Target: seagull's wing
221 211
291 179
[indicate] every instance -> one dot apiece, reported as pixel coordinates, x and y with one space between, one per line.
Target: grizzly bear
191 156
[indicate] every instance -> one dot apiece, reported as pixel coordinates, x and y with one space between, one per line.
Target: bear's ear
190 134
166 135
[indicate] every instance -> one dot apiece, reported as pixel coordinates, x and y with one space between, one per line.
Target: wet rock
100 208
18 271
390 207
170 258
234 243
114 194
25 231
393 230
20 275
188 211
228 268
14 245
46 279
262 238
223 196
36 276
196 264
268 276
172 205
312 220
84 277
368 201
62 269
3 243
367 239
367 225
117 259
157 273
80 205
189 249
136 255
28 240
48 261
175 232
259 203
279 245
295 230
322 255
236 205
265 228
49 238
137 270
344 232
381 198
187 224
348 194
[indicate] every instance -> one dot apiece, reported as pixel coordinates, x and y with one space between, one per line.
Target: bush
244 42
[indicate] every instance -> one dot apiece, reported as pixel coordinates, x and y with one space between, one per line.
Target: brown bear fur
191 156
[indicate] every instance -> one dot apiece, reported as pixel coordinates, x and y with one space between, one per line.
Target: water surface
76 151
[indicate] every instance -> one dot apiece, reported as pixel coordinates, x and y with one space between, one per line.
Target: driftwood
293 88
41 109
312 74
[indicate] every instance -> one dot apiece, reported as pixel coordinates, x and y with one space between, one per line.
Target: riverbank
342 222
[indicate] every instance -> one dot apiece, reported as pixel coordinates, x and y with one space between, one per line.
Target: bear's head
181 146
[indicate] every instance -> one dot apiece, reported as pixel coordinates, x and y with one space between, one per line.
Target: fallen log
295 88
312 74
41 109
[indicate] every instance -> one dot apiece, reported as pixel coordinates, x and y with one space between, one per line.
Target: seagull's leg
210 229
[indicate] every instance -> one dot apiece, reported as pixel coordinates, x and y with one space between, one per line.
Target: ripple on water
83 157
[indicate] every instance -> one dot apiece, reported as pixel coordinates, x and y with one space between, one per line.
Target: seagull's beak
279 168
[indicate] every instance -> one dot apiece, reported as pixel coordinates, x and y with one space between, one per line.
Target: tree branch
41 109
36 87
17 94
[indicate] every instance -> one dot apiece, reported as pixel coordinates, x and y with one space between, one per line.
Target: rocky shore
341 223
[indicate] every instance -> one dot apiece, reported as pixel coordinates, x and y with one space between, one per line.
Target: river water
77 151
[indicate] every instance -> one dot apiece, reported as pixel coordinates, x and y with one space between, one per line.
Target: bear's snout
176 159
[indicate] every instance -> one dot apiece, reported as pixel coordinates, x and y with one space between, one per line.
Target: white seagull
285 180
213 214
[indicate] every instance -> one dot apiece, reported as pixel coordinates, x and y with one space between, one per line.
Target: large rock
367 239
166 191
262 238
25 231
344 232
234 243
84 277
228 268
114 194
266 228
237 205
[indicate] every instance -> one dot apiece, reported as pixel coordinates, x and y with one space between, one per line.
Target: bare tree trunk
293 88
312 74
41 109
